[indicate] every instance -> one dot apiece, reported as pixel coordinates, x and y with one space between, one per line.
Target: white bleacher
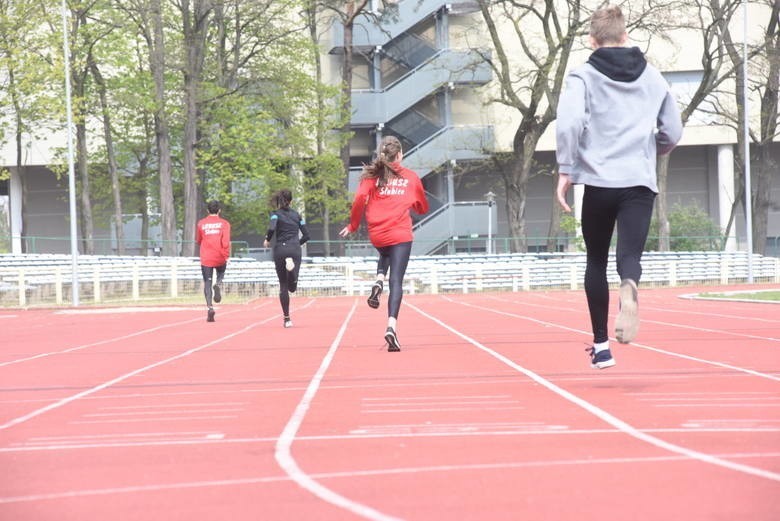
42 276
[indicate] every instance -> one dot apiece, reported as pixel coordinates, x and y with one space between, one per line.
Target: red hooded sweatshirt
213 235
387 208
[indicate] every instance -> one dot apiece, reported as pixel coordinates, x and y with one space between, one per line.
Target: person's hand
564 182
266 244
344 231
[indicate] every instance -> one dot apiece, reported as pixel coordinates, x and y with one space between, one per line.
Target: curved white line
283 453
604 415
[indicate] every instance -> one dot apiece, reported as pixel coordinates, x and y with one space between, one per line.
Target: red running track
490 411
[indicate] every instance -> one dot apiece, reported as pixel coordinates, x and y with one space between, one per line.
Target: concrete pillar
15 210
726 192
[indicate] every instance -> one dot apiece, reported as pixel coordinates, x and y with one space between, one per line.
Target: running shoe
376 290
287 322
217 294
627 322
210 315
600 360
289 263
392 340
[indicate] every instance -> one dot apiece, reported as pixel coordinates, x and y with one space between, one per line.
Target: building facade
422 74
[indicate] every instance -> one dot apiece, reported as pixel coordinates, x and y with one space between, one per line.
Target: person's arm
420 205
669 125
271 229
226 240
358 206
564 182
304 232
570 123
198 234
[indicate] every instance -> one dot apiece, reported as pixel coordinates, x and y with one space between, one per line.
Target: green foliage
325 188
569 225
690 229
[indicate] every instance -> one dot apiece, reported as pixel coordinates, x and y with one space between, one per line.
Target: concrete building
421 75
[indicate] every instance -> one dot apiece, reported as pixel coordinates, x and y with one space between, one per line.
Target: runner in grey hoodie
615 115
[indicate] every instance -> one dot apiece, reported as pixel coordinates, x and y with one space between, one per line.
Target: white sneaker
627 321
289 263
287 322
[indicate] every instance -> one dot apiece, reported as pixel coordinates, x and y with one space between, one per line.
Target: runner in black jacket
286 224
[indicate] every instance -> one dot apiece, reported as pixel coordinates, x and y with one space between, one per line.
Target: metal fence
48 279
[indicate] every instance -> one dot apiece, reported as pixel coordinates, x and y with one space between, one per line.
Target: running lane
491 411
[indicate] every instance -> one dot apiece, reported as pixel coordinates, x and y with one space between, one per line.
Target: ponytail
381 168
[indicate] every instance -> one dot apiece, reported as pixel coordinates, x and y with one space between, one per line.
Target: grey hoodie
615 114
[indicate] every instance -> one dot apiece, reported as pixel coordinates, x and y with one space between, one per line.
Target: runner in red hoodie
386 193
213 236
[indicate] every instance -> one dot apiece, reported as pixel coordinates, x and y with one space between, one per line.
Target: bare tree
711 19
764 82
113 170
156 41
196 17
546 34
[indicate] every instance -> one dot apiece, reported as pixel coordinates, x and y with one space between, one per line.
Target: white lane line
106 341
169 405
687 428
604 415
634 344
284 455
155 420
676 311
442 409
437 398
64 401
648 321
158 413
362 473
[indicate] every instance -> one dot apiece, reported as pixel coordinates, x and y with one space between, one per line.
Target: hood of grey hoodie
624 64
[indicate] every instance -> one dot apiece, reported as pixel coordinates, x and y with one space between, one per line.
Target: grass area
761 296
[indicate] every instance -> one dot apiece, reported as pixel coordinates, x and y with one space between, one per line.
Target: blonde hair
607 25
380 168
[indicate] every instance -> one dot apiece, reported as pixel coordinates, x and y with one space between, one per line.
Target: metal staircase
414 72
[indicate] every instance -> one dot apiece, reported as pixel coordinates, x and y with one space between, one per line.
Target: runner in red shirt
386 193
213 236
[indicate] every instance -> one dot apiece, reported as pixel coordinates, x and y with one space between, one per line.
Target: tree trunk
113 170
195 27
661 204
515 211
87 224
162 136
346 85
555 218
762 202
20 169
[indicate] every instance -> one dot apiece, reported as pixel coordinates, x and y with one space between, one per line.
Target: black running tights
288 280
395 258
631 208
208 274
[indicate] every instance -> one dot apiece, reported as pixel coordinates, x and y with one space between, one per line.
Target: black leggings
208 274
632 209
395 258
288 280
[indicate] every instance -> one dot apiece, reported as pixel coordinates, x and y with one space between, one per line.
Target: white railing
46 280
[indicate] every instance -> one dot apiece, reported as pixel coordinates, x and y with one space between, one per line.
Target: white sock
380 277
391 322
603 346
